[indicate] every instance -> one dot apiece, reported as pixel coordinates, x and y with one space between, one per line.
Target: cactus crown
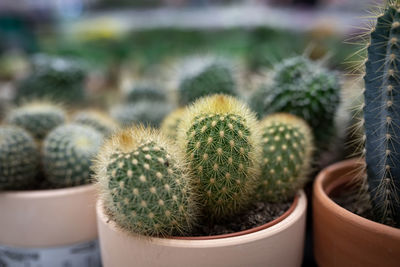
381 114
37 117
18 158
220 137
102 122
286 157
68 151
170 123
144 183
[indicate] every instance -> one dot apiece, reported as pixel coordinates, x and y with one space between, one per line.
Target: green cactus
305 89
56 78
145 92
19 158
38 118
286 157
144 183
170 123
221 140
206 78
146 112
67 154
101 121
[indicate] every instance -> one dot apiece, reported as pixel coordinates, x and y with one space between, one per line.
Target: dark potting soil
257 214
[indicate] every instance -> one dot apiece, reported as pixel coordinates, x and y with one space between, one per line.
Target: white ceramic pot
278 245
49 228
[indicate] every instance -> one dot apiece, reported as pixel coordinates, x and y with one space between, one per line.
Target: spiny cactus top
286 157
56 78
144 183
382 114
145 92
305 89
19 158
170 124
68 151
220 137
210 77
102 122
38 118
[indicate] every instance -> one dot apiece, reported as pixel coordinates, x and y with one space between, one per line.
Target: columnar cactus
144 92
38 118
144 183
206 78
286 157
220 137
68 151
382 114
19 158
305 89
170 123
102 122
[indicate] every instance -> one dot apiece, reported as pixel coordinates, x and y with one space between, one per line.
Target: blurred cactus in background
101 121
171 122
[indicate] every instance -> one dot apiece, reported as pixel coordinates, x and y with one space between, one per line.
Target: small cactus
67 154
102 122
170 123
144 183
38 118
144 92
207 78
19 158
220 137
286 157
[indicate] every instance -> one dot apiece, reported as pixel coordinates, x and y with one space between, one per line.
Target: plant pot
49 228
278 243
342 238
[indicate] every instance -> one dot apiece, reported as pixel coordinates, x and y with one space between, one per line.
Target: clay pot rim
293 214
326 182
47 193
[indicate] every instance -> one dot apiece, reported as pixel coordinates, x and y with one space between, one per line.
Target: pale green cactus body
286 157
19 158
144 184
170 123
68 152
102 122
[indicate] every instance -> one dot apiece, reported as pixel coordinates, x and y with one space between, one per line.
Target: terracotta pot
45 227
342 238
280 243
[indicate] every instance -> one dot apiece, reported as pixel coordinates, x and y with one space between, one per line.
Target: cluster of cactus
100 121
56 78
286 157
145 92
67 154
206 77
37 117
19 158
382 115
144 183
171 122
305 89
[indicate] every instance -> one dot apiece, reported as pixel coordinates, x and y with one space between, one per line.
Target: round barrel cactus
102 122
144 92
170 123
144 183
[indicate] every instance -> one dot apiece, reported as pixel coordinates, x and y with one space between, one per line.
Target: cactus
67 154
381 115
206 78
102 122
220 137
38 118
144 92
286 157
19 158
144 183
146 112
170 123
305 89
56 78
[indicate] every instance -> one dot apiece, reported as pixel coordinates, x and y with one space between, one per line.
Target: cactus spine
38 118
68 151
220 137
170 123
286 157
102 122
19 158
382 115
144 183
